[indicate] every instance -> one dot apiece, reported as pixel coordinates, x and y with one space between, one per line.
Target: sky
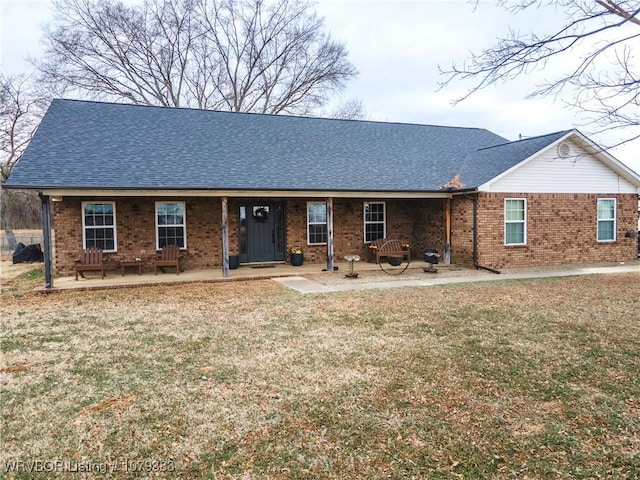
397 47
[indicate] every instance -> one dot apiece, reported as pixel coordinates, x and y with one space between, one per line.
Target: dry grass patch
117 403
527 379
17 279
15 368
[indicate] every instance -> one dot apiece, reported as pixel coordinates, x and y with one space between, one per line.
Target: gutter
476 265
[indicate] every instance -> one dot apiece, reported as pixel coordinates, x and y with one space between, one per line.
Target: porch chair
169 257
90 260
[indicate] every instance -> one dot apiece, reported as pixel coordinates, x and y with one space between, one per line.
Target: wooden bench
90 261
389 248
169 257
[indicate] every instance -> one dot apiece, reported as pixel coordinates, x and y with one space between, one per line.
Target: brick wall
462 231
561 229
67 225
421 222
135 226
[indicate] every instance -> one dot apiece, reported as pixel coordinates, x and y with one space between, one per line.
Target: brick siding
462 231
561 229
418 221
135 224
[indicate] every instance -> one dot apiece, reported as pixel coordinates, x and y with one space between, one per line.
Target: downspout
46 239
476 265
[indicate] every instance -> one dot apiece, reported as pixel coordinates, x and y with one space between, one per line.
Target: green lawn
524 379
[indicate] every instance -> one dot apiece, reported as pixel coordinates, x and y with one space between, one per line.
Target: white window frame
614 220
309 223
365 222
95 227
183 224
523 222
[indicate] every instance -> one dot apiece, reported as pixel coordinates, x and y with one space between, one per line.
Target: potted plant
297 257
234 262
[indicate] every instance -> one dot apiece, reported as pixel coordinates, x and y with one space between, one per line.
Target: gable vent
564 150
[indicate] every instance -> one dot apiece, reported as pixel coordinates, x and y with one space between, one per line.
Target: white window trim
364 218
184 225
316 223
504 213
114 226
615 220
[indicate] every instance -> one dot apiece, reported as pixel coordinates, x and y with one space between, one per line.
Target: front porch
367 271
253 230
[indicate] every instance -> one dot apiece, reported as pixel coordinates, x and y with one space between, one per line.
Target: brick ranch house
131 179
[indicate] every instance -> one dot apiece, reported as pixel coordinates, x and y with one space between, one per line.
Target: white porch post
225 237
330 234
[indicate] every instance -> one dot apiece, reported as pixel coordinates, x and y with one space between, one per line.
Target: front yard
523 379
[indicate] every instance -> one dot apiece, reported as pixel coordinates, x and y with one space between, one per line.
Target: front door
264 232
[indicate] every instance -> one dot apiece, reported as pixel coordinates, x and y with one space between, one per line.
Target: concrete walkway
304 285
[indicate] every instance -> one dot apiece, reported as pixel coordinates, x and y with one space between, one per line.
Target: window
374 221
99 225
316 223
515 221
606 219
170 225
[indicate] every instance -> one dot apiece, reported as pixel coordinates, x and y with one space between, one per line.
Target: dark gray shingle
89 145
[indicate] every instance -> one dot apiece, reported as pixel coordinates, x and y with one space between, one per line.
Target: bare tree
239 55
21 108
603 80
352 109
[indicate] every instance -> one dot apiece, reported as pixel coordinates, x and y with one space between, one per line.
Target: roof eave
248 193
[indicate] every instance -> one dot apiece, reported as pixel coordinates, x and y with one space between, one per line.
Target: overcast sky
396 46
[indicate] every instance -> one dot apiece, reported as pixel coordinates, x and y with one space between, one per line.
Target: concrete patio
115 279
318 281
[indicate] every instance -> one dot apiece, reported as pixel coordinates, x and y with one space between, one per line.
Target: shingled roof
94 145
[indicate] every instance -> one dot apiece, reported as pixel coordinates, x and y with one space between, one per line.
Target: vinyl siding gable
547 172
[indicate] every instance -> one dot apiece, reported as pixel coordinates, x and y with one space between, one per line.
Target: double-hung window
99 225
374 221
606 219
171 227
316 223
515 221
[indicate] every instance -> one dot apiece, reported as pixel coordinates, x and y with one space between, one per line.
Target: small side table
124 264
